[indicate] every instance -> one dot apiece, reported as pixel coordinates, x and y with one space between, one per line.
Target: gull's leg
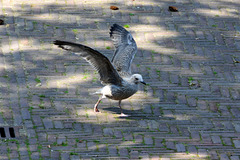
96 105
119 104
122 114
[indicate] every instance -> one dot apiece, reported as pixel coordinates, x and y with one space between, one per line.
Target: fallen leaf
114 8
173 9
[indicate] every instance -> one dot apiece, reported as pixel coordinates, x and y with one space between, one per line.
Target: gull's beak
143 83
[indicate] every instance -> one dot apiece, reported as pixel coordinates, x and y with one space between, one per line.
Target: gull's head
137 78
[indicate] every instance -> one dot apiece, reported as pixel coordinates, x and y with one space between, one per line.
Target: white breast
106 91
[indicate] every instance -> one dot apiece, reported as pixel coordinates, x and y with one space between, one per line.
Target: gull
116 76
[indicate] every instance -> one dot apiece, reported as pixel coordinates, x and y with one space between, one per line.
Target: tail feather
96 93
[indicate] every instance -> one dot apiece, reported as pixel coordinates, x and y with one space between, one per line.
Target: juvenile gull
116 75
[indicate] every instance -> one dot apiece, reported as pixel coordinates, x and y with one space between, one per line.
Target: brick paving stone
118 134
47 123
77 126
148 140
216 139
202 152
13 154
170 145
123 152
192 149
61 140
236 143
91 146
55 154
33 148
214 155
65 156
237 127
138 139
35 155
235 112
86 127
108 132
23 149
180 148
127 136
75 157
228 125
192 102
144 156
174 129
68 125
42 137
227 141
82 145
25 157
51 138
223 157
112 150
163 127
234 157
224 110
158 143
153 125
45 153
58 124
134 155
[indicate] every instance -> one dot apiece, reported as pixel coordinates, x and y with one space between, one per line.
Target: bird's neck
129 80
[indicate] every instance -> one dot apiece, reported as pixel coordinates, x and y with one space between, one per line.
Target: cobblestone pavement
190 59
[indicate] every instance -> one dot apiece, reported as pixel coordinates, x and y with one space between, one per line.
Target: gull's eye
136 79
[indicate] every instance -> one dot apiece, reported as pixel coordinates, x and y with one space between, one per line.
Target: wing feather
101 63
126 49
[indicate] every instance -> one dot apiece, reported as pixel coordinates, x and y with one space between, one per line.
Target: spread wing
126 49
107 72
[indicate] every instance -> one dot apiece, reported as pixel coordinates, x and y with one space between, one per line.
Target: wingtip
115 28
57 42
115 25
112 27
